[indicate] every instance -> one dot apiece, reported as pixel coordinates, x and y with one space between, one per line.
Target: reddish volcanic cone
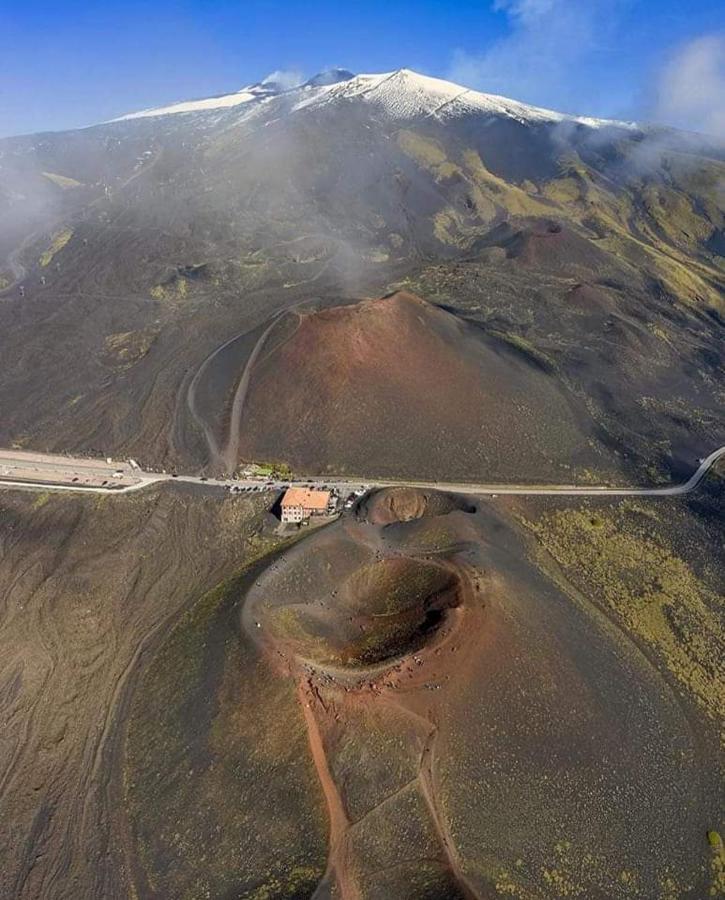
399 387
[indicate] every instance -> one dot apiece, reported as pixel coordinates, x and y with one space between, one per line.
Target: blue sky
70 64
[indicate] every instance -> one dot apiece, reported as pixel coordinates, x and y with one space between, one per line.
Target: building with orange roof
299 504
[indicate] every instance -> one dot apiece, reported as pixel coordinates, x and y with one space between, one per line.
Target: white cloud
691 88
285 78
526 10
537 60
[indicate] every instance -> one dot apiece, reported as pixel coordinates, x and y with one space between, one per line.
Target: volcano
363 387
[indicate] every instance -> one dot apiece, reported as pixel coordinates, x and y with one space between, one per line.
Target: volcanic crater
385 609
391 505
407 684
361 601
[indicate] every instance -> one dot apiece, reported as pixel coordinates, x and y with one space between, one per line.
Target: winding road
225 458
20 470
230 454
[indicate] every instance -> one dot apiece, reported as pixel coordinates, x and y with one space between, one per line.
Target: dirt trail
225 458
426 778
408 702
230 454
339 860
403 689
215 456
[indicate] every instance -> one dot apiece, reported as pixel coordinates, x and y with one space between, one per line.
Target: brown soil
384 609
591 298
525 746
89 586
551 246
397 386
496 753
401 504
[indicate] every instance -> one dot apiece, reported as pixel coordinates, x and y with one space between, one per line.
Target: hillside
131 250
397 386
436 696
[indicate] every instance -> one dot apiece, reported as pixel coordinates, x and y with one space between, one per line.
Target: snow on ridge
402 94
406 94
271 86
224 101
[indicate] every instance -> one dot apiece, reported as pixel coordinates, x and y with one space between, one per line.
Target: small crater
403 504
384 610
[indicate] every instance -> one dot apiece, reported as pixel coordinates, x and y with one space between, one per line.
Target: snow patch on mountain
190 106
405 94
402 95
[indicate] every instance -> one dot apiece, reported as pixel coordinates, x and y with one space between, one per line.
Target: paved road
55 473
26 467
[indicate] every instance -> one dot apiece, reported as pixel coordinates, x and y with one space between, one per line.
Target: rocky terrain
138 248
434 696
440 707
88 587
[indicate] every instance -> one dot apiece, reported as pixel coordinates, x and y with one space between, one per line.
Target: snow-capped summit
403 94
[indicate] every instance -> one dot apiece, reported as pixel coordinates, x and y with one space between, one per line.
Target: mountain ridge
402 91
136 249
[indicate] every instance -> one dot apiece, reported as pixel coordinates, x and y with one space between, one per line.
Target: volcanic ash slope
399 387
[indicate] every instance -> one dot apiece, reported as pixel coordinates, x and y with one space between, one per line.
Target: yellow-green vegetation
447 226
285 624
376 256
571 187
41 499
298 882
63 181
173 290
253 270
659 333
5 281
487 193
656 236
515 199
677 406
717 864
589 476
568 872
270 469
661 235
128 347
427 152
254 261
391 586
58 242
616 556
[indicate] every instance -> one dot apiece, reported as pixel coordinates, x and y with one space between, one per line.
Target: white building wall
292 514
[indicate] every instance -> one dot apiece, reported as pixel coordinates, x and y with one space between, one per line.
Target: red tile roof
306 498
